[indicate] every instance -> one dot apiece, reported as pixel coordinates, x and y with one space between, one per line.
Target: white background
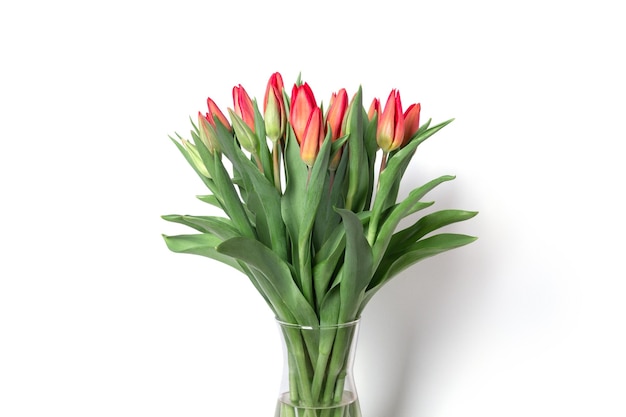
98 318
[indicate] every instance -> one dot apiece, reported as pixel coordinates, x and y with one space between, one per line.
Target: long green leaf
356 268
406 207
414 253
278 273
219 226
200 244
426 225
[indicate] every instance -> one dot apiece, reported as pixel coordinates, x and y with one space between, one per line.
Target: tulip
390 130
307 122
274 108
243 106
245 135
206 127
313 137
196 160
337 110
215 111
411 122
374 109
302 105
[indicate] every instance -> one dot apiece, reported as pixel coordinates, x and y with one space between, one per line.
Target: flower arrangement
312 217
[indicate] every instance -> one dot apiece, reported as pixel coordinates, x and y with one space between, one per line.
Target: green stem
373 225
276 164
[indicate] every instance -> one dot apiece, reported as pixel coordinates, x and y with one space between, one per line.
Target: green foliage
320 244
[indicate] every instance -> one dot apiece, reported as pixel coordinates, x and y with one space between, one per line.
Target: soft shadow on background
407 325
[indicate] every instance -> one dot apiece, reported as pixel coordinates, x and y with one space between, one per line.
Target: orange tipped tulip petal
215 111
390 131
243 106
411 122
374 109
336 112
313 137
302 105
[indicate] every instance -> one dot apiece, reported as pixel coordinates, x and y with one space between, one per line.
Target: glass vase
317 374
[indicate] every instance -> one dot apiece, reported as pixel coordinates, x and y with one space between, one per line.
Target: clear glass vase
317 375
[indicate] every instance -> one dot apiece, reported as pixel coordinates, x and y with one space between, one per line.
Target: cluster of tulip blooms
325 237
309 123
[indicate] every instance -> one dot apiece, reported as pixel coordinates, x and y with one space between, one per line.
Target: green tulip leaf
356 268
200 244
279 278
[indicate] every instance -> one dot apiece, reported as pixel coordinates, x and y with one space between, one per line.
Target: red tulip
274 113
336 111
302 105
313 137
411 122
243 106
374 109
215 111
390 130
307 122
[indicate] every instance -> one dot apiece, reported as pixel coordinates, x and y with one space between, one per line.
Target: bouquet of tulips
310 198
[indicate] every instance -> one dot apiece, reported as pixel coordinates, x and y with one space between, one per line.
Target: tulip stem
383 165
259 164
276 163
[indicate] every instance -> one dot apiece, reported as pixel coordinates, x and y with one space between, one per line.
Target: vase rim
317 326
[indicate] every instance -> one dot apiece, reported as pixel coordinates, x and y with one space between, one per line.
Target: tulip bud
274 108
313 138
215 111
411 122
302 105
243 106
194 155
206 126
337 110
390 129
245 135
374 109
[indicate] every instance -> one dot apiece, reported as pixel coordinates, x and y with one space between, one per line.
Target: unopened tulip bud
337 110
302 106
313 138
206 126
390 130
274 113
411 122
374 109
243 106
245 135
215 111
194 155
